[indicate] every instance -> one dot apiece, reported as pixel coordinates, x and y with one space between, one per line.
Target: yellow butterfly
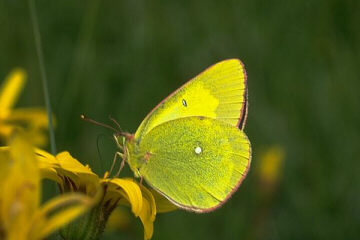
191 147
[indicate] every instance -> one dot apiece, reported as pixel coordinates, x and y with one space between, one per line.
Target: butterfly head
122 139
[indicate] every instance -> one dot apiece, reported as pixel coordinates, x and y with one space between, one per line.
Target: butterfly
191 148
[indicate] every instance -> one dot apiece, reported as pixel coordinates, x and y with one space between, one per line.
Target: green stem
37 38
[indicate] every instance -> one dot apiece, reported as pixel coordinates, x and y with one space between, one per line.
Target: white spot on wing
198 150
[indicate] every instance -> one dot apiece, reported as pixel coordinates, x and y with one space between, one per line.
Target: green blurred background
121 58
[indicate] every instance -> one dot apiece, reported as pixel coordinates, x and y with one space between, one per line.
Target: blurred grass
123 57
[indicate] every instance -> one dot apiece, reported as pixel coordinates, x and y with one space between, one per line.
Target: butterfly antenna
82 116
114 121
117 131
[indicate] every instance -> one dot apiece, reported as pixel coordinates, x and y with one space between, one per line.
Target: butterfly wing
195 162
220 92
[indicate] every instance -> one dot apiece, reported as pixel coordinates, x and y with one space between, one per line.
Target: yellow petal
145 216
270 165
138 197
48 164
10 91
34 117
33 120
59 212
81 175
69 163
22 188
126 189
45 157
163 205
148 212
147 194
5 130
5 164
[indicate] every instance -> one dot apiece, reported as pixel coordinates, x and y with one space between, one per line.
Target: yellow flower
33 120
270 166
72 176
21 216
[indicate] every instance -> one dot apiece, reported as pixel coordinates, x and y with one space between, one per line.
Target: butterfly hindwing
195 162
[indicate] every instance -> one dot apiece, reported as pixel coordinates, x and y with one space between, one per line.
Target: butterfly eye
184 103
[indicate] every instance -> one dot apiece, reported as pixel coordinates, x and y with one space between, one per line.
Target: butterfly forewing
220 92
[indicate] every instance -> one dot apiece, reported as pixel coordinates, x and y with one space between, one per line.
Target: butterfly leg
121 164
117 154
118 144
